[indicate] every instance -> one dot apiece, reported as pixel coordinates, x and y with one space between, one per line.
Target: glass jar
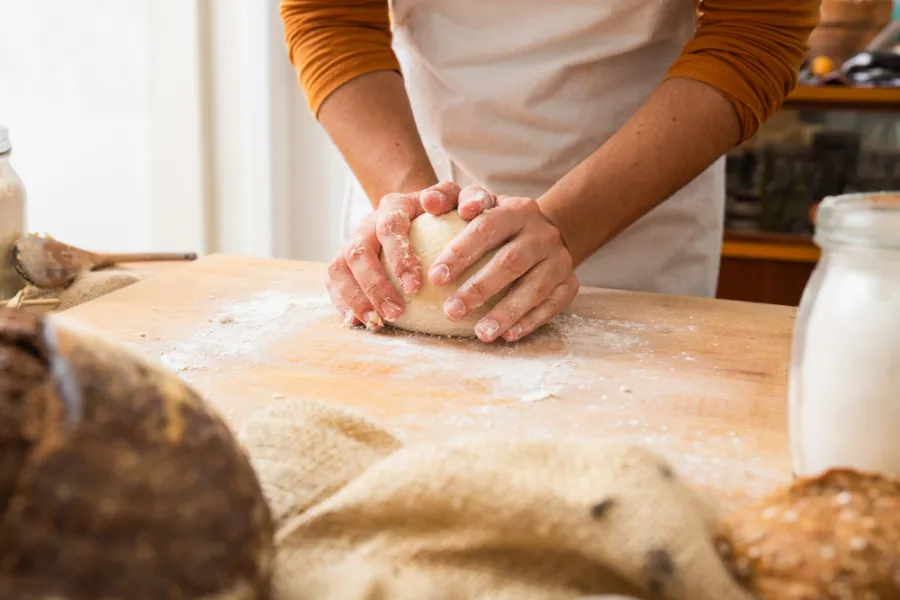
845 367
12 219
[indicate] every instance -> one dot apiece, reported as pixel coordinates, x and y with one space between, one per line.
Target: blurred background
165 125
179 125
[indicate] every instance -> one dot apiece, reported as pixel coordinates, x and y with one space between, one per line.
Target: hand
533 258
357 283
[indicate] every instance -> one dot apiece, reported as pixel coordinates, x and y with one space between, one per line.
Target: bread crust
832 536
117 480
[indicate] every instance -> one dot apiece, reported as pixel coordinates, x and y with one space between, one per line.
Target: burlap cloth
359 515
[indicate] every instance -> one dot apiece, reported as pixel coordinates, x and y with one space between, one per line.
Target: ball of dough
833 536
428 236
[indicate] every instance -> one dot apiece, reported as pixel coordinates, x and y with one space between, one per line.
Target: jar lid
869 219
5 146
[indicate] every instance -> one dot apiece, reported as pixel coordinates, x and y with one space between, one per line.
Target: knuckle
370 288
544 287
551 235
512 260
456 254
336 268
484 227
355 250
520 203
575 285
392 223
477 292
509 314
388 201
552 307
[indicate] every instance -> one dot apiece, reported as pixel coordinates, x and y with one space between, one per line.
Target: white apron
512 94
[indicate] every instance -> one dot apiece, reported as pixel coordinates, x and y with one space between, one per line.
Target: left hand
533 258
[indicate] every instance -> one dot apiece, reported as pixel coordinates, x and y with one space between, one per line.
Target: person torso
512 94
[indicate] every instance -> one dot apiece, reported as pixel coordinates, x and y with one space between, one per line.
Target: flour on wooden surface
572 327
537 372
245 327
506 371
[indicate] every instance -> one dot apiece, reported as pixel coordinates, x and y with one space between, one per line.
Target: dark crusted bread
116 480
832 536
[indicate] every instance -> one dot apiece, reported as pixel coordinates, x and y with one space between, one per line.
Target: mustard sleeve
751 51
331 42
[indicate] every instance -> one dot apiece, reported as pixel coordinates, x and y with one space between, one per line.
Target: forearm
371 122
680 130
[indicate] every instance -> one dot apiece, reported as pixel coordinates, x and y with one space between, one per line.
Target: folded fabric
359 515
86 287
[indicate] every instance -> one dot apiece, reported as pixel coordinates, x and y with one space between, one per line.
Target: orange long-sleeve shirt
749 50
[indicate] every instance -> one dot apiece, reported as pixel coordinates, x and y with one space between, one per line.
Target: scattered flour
246 327
507 372
572 327
538 395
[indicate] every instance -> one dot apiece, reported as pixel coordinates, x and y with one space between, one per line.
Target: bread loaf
116 480
832 536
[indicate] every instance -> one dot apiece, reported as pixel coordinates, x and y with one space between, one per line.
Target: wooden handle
110 259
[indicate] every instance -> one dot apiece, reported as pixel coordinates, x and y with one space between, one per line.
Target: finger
484 233
561 296
345 291
440 198
392 230
350 319
528 292
511 262
474 200
362 259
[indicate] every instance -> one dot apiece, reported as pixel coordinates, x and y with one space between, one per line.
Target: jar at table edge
12 218
844 391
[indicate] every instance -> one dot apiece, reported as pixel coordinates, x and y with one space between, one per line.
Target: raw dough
424 313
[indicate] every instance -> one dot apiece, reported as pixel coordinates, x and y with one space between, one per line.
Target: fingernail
454 309
391 310
349 317
488 329
410 282
513 333
373 320
440 274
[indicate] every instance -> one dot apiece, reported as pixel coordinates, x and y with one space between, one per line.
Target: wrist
559 222
564 205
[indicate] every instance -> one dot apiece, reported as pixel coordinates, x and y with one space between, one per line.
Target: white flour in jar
845 382
12 220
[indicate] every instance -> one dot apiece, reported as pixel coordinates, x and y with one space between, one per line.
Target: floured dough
424 313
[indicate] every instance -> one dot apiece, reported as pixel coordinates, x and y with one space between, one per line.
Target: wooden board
703 381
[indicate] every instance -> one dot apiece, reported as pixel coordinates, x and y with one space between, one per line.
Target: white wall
319 180
74 94
267 144
168 125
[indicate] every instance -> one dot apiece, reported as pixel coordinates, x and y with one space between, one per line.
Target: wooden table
703 381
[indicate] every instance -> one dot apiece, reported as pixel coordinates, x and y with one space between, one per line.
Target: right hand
358 286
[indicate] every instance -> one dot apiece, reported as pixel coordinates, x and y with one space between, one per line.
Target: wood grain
703 381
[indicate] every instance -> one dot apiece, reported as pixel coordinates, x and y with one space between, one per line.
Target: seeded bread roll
833 536
117 481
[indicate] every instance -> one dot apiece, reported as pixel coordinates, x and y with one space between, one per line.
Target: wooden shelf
847 98
769 246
